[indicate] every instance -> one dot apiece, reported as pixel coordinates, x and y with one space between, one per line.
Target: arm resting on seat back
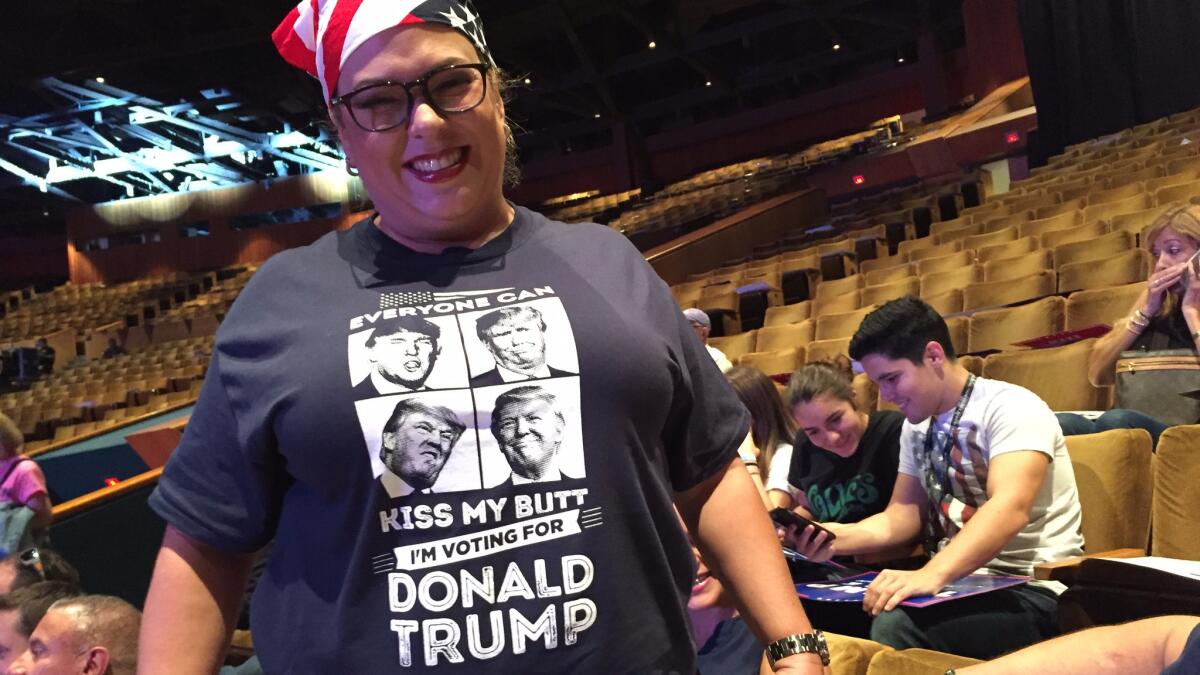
1137 648
191 607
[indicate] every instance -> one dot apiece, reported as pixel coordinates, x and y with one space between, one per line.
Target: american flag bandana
319 35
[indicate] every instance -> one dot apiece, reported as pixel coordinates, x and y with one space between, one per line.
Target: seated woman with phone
844 465
1167 314
845 461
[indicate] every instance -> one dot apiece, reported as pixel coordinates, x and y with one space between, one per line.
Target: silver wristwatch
802 643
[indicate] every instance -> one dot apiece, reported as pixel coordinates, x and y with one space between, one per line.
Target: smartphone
785 517
1191 270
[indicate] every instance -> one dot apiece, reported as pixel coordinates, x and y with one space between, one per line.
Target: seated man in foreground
83 635
984 479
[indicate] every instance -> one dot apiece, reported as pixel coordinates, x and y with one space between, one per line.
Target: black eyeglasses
386 105
31 558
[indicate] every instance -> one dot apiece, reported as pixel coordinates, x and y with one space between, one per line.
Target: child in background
21 484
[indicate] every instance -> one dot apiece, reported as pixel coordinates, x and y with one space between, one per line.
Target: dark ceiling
588 61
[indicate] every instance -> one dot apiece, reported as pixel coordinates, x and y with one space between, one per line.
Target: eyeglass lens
388 105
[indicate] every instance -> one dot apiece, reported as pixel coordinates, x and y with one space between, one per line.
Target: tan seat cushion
915 662
1112 473
1175 507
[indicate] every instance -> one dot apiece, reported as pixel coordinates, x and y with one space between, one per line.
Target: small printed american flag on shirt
410 298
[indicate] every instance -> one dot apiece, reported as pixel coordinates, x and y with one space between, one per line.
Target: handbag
1163 384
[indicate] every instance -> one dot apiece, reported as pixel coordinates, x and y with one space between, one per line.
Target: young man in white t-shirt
991 491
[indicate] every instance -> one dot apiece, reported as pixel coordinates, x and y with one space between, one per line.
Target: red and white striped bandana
319 35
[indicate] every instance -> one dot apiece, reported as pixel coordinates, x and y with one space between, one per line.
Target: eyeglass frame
31 558
421 82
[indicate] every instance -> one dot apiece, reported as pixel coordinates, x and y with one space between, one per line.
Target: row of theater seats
84 307
164 365
108 392
589 208
792 337
717 192
1056 233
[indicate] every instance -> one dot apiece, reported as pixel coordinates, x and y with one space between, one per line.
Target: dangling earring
351 169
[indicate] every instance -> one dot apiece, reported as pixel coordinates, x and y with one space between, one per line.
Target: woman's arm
194 599
736 539
750 455
1103 359
1126 331
1139 648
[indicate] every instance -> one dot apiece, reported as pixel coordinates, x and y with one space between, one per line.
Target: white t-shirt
777 473
719 357
999 418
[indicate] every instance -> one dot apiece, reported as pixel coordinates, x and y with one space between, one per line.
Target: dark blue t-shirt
407 534
1188 662
731 650
848 489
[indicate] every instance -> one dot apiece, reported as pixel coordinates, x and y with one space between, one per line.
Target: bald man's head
81 635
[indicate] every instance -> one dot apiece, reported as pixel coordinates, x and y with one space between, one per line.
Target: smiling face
707 591
418 449
831 424
529 433
915 389
405 357
1171 248
436 181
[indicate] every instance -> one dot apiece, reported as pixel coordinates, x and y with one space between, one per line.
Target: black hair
901 329
405 324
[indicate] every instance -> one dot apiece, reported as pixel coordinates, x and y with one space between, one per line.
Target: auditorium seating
168 339
998 329
1009 291
1058 375
1102 305
837 303
842 324
1176 501
1060 250
784 314
776 362
714 193
1021 265
1113 477
877 295
734 346
1124 268
783 336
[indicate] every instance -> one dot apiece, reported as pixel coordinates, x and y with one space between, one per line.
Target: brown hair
770 423
1184 219
11 438
834 376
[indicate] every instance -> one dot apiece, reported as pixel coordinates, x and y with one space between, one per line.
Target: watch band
800 643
